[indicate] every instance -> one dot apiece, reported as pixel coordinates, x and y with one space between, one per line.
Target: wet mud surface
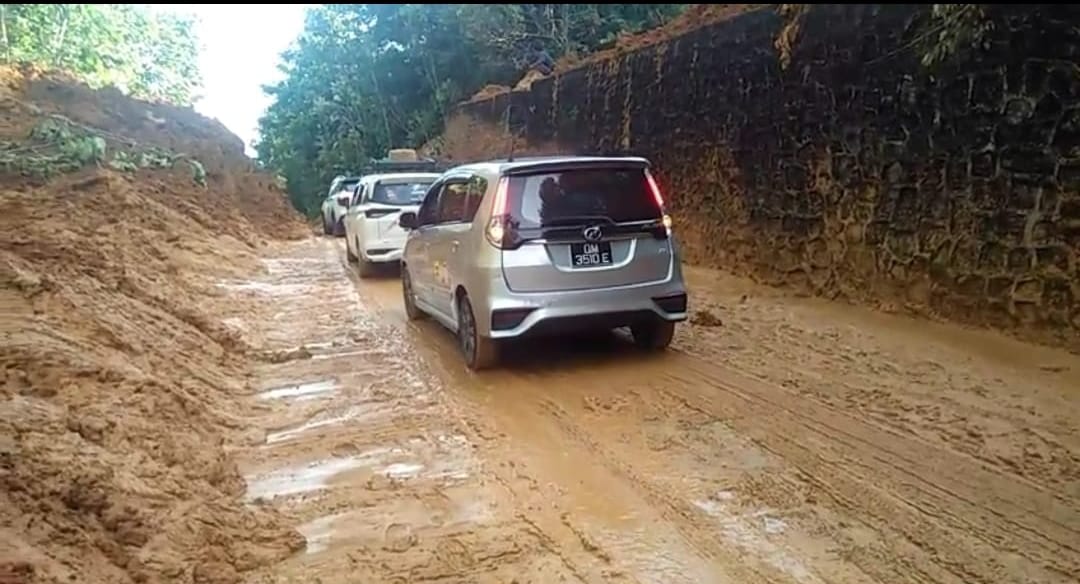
780 440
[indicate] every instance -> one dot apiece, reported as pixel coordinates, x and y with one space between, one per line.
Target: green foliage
198 172
951 30
57 145
955 29
147 54
364 78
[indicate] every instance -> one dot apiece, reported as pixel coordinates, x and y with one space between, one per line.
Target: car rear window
569 197
400 193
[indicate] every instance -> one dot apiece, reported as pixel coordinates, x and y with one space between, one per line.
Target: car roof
524 164
405 175
341 180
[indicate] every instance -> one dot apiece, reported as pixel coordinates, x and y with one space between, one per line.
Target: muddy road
780 440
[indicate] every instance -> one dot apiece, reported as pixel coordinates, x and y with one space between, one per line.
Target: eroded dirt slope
116 392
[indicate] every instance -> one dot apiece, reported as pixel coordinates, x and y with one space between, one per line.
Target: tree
149 55
365 78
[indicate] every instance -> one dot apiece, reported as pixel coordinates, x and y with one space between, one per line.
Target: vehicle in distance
372 233
509 249
336 203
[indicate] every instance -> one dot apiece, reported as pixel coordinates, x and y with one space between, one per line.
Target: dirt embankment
117 394
466 139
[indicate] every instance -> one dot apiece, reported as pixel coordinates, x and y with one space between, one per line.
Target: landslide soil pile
118 395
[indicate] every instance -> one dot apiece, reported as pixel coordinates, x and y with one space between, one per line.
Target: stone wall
856 172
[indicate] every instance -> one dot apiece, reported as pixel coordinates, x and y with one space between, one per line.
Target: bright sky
241 46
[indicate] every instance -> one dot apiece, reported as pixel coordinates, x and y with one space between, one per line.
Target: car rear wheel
480 352
349 255
366 268
653 336
411 310
325 224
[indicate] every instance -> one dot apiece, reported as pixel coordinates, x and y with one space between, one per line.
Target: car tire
366 268
653 336
411 310
339 227
325 224
479 352
349 255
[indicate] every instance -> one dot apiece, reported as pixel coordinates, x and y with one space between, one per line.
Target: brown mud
781 440
117 392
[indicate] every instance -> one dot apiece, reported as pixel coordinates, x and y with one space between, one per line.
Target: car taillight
343 201
659 198
498 225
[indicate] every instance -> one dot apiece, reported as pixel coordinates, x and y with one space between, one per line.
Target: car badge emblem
593 233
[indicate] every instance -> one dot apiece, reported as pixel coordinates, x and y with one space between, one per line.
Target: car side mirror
408 220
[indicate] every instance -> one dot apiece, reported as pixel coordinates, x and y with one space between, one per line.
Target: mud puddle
366 454
585 461
301 391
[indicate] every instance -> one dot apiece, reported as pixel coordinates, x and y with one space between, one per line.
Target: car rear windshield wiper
575 220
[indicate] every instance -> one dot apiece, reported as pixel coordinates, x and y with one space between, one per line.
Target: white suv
336 203
503 250
372 233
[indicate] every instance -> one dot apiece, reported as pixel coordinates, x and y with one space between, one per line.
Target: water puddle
267 288
314 424
657 557
749 530
302 391
455 507
392 463
318 531
310 477
364 411
401 470
341 354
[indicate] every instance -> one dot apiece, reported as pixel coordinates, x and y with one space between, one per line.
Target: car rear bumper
383 254
513 315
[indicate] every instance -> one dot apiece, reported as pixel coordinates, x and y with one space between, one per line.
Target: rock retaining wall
857 171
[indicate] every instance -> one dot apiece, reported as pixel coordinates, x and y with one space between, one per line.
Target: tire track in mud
870 501
960 521
356 444
587 462
611 495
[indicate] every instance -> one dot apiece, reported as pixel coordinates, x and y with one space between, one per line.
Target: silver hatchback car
538 246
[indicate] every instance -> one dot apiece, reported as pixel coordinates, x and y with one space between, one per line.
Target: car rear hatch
390 198
578 225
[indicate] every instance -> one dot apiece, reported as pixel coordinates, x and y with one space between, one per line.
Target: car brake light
496 227
659 197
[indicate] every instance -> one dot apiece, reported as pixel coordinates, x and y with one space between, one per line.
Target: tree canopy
151 55
364 78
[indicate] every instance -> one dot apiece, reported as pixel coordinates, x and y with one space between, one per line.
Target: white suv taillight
496 227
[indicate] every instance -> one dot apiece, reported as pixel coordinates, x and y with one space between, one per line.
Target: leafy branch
56 145
952 29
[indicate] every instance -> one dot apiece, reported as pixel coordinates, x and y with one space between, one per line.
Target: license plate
583 255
